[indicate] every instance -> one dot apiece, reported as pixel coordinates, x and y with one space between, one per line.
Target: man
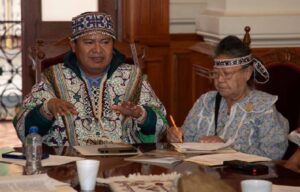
93 97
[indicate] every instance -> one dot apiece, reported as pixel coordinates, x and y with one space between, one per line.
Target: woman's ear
249 72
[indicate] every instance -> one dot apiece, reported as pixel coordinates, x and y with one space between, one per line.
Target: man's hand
59 107
129 109
211 139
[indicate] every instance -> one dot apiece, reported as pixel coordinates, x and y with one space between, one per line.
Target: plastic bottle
33 152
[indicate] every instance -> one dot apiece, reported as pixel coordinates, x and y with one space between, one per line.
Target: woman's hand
58 107
211 139
174 135
129 109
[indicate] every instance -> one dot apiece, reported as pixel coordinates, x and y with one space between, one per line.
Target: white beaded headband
259 67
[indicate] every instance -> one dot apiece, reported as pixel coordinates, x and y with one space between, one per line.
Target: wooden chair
284 69
44 54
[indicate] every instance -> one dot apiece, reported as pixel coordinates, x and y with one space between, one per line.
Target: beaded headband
259 67
92 22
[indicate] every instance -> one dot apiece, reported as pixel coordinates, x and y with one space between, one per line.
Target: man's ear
72 45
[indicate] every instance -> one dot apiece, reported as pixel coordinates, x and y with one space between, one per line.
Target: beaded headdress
92 22
248 59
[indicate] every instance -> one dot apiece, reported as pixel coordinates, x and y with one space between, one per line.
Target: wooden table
116 166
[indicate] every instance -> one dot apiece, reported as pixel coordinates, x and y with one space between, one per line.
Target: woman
236 110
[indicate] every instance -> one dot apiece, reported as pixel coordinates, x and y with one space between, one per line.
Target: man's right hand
174 135
59 107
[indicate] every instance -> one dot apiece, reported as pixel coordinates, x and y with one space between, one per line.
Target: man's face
94 53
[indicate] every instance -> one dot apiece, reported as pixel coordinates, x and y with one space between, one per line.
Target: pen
174 124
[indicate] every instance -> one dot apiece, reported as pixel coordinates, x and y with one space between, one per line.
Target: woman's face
231 82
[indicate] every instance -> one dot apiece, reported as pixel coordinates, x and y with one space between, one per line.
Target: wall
272 22
58 10
182 12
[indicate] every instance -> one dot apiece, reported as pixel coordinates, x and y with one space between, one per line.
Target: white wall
274 23
183 15
182 12
64 10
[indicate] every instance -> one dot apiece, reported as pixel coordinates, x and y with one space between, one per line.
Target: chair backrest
284 82
44 54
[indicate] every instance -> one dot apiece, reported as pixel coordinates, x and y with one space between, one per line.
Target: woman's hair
233 47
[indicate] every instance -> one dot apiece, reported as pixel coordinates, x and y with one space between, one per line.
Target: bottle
33 152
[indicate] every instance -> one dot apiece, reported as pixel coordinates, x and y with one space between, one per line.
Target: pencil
174 124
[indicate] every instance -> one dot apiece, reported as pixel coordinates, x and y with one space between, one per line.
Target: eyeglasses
225 74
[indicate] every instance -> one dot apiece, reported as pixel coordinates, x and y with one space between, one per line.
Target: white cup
253 185
87 173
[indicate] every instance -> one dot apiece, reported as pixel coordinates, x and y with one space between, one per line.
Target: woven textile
92 22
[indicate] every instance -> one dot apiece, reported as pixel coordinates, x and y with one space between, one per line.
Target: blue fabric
253 123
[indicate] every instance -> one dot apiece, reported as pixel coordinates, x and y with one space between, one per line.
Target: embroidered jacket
254 124
91 126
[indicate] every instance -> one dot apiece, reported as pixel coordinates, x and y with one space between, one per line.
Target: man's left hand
129 109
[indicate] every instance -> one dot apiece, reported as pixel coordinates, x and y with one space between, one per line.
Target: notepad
217 159
201 148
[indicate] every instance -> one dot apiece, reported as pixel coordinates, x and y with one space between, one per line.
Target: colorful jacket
122 82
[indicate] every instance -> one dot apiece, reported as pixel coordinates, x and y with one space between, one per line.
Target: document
197 147
285 188
33 183
93 150
217 159
53 160
142 183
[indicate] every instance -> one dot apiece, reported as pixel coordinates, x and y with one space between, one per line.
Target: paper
153 160
92 150
197 147
142 183
295 137
158 157
53 160
285 188
217 159
32 183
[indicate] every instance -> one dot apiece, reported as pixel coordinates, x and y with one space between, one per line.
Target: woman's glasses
227 75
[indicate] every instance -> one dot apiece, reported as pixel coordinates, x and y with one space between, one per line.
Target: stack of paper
33 183
217 159
204 148
53 160
158 157
280 188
